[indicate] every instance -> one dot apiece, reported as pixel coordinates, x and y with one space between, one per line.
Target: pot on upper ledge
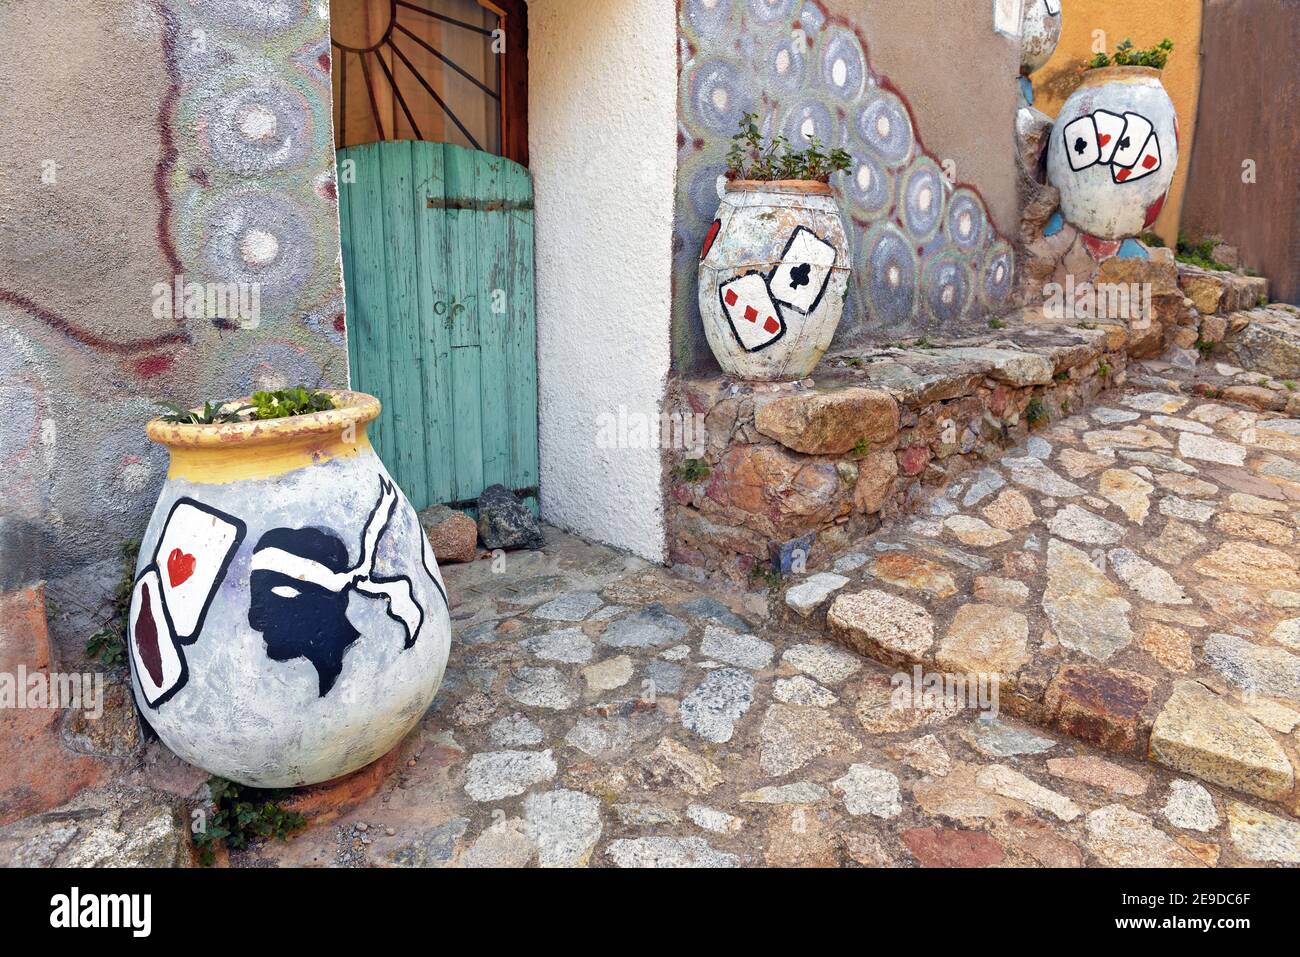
773 273
1114 151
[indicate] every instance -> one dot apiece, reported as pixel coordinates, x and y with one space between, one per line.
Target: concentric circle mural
926 253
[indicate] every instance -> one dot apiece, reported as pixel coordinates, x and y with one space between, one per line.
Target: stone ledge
1216 292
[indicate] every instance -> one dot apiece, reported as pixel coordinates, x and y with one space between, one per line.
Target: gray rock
1108 416
565 826
1190 806
802 792
568 645
826 663
804 597
649 628
868 790
1267 671
514 731
677 852
998 740
712 709
667 677
717 612
434 847
504 521
1080 525
987 481
493 775
572 606
99 829
543 688
1033 474
743 651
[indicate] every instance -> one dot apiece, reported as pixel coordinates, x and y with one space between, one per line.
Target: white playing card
155 660
753 314
1148 162
1132 141
1053 6
1081 143
193 552
800 278
1110 129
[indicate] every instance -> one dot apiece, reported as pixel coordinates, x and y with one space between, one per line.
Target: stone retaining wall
788 473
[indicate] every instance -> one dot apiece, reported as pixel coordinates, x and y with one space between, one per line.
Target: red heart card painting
196 545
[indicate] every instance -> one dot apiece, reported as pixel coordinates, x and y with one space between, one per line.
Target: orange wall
1146 23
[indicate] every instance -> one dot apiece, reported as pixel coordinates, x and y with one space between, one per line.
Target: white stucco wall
602 141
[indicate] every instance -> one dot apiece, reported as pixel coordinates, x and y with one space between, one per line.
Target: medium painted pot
288 622
773 271
1040 32
1114 151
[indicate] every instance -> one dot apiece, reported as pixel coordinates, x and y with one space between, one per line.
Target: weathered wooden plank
460 311
521 337
406 403
435 337
369 276
491 298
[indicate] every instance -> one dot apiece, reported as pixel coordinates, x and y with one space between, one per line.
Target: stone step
1130 574
1221 292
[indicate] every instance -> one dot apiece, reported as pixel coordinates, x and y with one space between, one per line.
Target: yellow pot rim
351 410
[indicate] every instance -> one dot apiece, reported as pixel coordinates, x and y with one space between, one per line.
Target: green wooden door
438 270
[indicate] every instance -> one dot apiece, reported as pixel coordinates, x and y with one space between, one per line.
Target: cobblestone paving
1132 574
601 712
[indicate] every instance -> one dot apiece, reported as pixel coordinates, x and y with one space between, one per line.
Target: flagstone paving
598 711
1131 575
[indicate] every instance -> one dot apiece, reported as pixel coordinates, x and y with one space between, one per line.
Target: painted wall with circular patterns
925 254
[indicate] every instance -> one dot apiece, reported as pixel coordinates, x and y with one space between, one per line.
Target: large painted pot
288 622
773 272
1040 32
1114 151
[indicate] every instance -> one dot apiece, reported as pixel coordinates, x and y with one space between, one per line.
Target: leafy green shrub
1128 55
1036 412
242 814
750 158
1200 254
212 413
109 643
286 402
692 470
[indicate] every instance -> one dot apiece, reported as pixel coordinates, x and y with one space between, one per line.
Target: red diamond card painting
156 662
1081 143
196 546
1110 130
800 278
1148 162
754 317
1137 129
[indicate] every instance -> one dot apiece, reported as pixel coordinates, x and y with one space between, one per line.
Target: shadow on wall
925 254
